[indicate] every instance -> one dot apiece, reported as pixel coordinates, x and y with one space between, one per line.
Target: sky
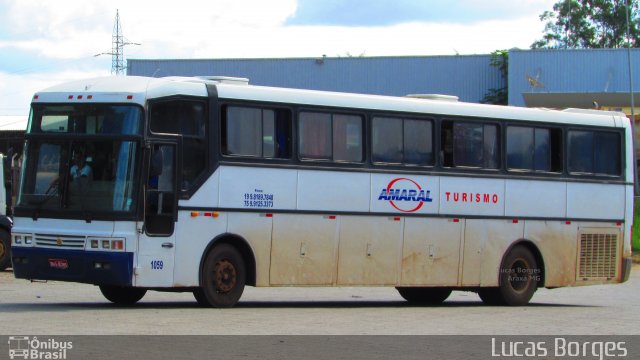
45 42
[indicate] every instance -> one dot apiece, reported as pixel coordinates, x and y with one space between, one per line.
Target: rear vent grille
598 257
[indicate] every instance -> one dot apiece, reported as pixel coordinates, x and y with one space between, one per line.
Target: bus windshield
80 159
86 177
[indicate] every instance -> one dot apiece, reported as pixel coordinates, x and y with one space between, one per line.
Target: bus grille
598 256
60 241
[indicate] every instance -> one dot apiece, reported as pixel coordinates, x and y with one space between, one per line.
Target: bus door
157 241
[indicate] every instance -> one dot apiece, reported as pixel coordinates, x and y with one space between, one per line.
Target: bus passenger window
347 138
542 150
387 140
315 136
333 137
402 141
534 149
594 153
468 140
607 153
472 145
268 134
244 131
256 132
490 153
418 142
520 148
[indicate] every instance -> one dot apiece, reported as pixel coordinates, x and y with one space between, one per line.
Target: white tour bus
208 185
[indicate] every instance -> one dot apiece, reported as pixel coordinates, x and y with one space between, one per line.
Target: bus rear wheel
223 278
122 295
424 295
518 280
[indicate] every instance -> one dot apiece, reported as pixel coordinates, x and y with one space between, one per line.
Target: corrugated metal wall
558 71
468 77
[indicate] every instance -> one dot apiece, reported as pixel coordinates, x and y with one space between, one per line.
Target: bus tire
200 298
518 279
122 295
490 296
5 249
223 277
424 295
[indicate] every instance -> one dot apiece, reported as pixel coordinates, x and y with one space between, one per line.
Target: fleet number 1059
157 264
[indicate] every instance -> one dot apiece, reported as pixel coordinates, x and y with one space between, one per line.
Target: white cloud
72 28
231 28
16 91
404 39
38 37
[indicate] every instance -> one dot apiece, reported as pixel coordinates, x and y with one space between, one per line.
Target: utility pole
632 103
118 42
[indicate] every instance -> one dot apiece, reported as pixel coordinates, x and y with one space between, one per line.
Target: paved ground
72 309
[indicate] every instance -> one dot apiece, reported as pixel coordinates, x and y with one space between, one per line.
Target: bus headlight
22 239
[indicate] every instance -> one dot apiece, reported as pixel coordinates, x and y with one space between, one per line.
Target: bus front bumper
91 267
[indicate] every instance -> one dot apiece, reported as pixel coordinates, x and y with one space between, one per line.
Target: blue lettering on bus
405 195
407 192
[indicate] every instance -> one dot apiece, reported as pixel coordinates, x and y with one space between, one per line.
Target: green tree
499 96
590 24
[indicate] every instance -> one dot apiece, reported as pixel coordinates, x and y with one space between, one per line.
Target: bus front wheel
518 280
223 278
122 295
424 295
5 249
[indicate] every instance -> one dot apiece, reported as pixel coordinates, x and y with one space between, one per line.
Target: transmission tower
117 46
118 42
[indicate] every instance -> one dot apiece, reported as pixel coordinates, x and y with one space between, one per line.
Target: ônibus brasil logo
405 195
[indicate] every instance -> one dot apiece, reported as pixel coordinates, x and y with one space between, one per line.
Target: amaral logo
25 347
405 195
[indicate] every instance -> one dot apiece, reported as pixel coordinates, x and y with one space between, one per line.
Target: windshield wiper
51 192
85 214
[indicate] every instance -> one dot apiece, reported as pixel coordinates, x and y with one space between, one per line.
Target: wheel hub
225 276
520 275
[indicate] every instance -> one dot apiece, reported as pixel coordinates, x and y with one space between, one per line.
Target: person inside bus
80 179
80 168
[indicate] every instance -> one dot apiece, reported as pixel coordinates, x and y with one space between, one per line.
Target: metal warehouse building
584 78
574 78
467 77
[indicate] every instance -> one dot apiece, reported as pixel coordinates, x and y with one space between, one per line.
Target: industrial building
559 78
